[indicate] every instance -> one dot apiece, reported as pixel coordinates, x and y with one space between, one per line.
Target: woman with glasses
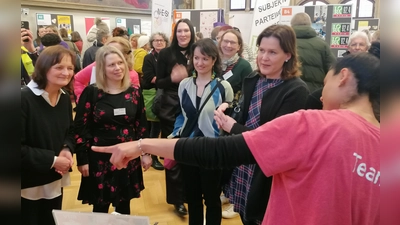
158 41
358 42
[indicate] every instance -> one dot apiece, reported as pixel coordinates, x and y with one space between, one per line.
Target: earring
286 60
213 75
194 74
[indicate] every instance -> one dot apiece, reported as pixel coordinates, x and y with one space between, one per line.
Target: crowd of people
285 135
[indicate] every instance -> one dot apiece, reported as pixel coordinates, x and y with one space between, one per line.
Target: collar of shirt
41 92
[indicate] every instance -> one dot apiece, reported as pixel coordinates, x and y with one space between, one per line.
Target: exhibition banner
266 13
61 21
162 16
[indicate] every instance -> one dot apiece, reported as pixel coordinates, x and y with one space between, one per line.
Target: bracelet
139 144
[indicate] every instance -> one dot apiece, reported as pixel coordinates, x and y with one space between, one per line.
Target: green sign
40 17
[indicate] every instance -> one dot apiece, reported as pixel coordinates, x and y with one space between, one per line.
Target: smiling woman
46 153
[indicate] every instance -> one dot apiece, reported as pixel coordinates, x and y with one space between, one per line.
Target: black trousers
39 212
173 178
203 184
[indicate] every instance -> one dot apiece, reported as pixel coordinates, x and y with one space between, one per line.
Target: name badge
120 112
227 75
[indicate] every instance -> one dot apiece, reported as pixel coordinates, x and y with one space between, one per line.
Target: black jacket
90 54
149 70
285 98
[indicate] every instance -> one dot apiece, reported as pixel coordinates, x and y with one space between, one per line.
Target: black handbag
156 108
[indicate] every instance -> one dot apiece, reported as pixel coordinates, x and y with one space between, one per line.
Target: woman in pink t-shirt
325 163
83 77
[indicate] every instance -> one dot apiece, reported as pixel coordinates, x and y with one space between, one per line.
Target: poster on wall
338 28
133 26
203 20
162 14
371 24
287 13
266 13
61 21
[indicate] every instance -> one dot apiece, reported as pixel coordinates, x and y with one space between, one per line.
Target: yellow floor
151 204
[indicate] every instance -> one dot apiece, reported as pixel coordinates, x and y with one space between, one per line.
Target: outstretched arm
224 152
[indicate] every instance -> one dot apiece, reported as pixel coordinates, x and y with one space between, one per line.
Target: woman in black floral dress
109 112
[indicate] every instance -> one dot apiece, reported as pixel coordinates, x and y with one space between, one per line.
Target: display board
332 23
134 26
202 20
61 21
161 16
371 24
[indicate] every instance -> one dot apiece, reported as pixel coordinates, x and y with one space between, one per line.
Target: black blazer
286 98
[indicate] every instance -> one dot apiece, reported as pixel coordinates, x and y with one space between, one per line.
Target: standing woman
199 96
234 67
158 41
274 90
171 70
109 112
47 141
77 40
139 54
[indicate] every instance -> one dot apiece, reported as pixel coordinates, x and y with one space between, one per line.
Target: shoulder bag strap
188 129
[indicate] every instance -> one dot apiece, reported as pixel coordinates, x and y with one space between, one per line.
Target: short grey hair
163 35
301 19
359 34
101 34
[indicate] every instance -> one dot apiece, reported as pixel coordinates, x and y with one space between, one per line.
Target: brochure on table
84 218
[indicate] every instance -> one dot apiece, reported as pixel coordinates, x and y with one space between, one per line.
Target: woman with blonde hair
133 39
86 75
110 111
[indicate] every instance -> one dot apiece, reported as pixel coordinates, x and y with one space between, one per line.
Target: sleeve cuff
54 162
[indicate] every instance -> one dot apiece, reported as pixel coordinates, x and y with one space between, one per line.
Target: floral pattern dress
104 119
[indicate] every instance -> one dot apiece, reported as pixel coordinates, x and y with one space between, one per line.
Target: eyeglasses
159 40
229 42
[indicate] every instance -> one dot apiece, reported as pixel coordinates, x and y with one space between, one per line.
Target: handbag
156 107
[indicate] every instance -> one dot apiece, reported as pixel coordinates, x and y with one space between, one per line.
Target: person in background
139 54
52 29
196 119
71 45
102 37
110 111
332 178
91 36
119 32
158 41
199 36
171 70
234 67
214 34
247 53
46 154
315 54
77 40
358 42
40 33
133 39
366 31
274 90
85 76
376 36
29 56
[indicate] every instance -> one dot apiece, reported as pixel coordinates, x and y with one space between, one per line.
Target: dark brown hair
75 36
49 57
63 33
287 41
207 47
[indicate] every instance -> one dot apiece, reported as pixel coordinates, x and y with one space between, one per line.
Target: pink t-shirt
326 168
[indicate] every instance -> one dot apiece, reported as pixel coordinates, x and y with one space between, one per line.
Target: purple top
63 43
